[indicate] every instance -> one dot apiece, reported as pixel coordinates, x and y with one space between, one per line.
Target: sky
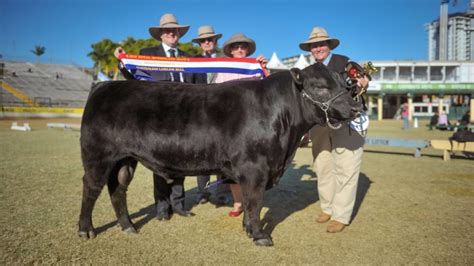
367 29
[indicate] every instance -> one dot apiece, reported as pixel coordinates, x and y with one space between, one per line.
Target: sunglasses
242 46
210 39
169 31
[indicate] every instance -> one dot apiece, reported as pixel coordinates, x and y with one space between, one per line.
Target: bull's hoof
247 229
263 242
87 235
130 231
249 232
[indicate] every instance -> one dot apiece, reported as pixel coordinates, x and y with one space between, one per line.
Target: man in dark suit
168 192
207 39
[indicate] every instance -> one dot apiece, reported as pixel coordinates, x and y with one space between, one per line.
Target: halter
324 106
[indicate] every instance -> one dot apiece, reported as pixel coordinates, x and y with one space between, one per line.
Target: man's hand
363 82
118 51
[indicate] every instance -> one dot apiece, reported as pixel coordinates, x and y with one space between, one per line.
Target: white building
460 46
425 85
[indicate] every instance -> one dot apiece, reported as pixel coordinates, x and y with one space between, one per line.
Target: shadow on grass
294 194
291 195
148 214
363 187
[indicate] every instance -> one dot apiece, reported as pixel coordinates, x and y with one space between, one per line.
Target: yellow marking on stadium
55 110
18 94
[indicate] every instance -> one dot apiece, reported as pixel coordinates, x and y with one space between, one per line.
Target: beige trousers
337 159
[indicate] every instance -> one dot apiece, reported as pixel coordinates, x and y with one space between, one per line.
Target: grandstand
43 85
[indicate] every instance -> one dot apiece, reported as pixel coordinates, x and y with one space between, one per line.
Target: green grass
411 210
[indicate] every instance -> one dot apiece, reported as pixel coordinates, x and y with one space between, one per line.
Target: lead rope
325 107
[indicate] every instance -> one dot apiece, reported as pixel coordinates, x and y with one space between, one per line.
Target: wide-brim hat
239 38
205 32
319 34
168 21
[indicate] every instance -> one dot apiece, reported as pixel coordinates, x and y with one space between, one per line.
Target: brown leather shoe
323 217
335 227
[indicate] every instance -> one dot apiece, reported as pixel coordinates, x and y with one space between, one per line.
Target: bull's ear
297 75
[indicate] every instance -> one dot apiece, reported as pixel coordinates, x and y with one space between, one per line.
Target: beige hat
319 34
236 38
205 32
168 21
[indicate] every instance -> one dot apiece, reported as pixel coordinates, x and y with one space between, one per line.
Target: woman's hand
262 60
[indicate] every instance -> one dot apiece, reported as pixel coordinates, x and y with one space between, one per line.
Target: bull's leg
93 181
253 190
246 224
117 184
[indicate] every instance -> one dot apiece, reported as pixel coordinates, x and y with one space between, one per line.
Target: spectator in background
443 121
434 120
405 115
238 46
465 118
208 41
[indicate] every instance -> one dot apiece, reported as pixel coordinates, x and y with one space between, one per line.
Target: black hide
245 130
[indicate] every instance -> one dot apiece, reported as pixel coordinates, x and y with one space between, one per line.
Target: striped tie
175 74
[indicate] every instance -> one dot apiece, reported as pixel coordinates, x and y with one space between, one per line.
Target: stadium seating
46 84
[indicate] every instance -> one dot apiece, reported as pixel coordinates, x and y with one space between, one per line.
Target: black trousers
168 195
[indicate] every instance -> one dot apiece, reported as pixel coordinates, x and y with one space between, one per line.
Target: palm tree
103 55
38 51
133 46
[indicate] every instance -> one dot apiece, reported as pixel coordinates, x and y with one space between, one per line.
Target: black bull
245 130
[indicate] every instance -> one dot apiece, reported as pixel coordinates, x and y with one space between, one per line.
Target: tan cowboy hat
236 38
168 21
205 32
319 34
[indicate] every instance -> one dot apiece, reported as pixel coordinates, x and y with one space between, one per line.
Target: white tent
275 63
301 63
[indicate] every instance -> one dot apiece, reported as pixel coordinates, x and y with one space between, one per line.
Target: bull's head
326 90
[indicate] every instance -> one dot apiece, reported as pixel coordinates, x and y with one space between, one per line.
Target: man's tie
175 74
209 75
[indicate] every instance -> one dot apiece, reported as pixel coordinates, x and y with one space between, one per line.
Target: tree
190 49
103 55
103 52
132 46
39 51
